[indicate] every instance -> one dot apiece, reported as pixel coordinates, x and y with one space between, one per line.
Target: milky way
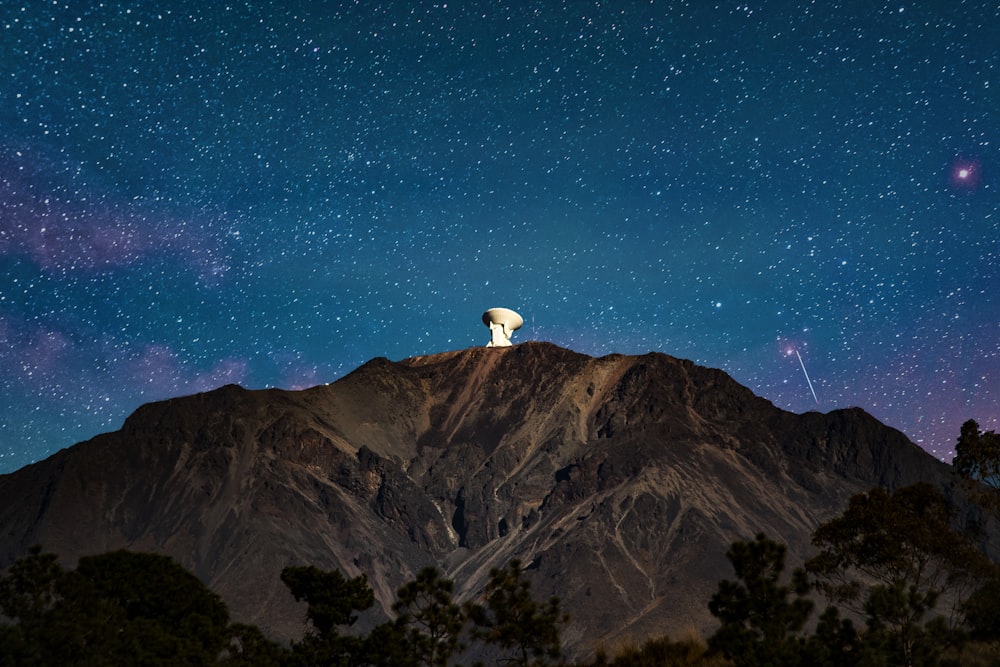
270 194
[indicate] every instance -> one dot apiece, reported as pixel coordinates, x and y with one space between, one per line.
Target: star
965 174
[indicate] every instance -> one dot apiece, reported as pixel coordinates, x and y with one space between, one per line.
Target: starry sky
272 193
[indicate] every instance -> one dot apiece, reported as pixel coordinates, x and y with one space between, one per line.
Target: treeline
901 585
127 608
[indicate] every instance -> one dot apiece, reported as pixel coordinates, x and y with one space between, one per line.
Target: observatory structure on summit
502 323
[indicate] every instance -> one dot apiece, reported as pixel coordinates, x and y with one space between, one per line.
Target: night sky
272 193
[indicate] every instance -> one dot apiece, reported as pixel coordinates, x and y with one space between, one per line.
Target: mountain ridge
619 481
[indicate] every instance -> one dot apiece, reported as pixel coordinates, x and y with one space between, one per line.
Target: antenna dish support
502 323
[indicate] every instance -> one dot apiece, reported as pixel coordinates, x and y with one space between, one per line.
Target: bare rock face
618 481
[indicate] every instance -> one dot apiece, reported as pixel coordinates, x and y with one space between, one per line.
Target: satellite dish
502 323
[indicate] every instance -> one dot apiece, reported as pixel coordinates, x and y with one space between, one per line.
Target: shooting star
806 373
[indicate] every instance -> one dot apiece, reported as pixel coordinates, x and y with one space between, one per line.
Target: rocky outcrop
620 481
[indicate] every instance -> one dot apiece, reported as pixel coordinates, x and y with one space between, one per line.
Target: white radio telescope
502 323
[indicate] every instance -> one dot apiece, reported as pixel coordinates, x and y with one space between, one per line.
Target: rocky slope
619 481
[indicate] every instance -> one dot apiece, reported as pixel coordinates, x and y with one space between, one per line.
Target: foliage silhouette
332 601
248 647
977 458
431 621
115 608
761 619
982 612
890 556
513 621
835 642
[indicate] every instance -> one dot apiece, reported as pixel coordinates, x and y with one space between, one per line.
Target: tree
982 612
387 645
890 556
895 632
432 623
29 589
115 608
248 647
29 594
164 608
835 643
332 601
977 460
513 621
760 622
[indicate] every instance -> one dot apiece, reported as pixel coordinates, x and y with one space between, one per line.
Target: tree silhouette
977 459
431 621
248 647
332 601
890 556
115 608
512 620
332 598
760 617
29 589
835 643
161 604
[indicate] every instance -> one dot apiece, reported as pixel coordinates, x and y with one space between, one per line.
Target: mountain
619 481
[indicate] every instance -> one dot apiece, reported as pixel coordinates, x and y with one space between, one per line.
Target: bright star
964 174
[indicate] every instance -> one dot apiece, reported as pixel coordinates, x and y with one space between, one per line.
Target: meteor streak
806 373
